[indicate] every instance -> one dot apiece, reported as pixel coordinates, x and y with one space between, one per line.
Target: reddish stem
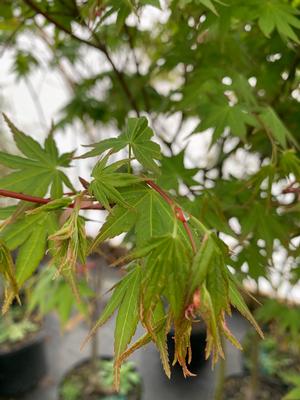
161 192
190 235
88 205
40 200
178 212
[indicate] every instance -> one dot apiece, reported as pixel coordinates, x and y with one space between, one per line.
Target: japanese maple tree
231 67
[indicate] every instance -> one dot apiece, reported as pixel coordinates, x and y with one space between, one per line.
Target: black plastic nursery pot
134 394
198 344
236 387
22 366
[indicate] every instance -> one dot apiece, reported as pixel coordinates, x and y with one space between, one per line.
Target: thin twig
40 200
97 45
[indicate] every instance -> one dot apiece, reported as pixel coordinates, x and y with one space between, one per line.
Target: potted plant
22 343
267 363
75 384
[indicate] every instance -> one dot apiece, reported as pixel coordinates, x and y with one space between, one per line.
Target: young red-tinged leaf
142 341
159 336
228 334
183 329
213 340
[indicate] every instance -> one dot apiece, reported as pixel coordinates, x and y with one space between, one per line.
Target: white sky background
17 101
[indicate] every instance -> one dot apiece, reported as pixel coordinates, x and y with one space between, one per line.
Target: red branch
89 205
161 192
86 205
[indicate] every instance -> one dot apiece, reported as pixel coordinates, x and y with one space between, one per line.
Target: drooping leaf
127 319
238 302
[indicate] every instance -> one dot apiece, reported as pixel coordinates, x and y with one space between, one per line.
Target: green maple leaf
210 4
223 116
138 136
30 234
278 130
125 298
276 14
289 162
165 271
38 169
107 180
6 212
148 213
174 172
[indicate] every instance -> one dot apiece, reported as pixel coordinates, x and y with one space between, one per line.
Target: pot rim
35 337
